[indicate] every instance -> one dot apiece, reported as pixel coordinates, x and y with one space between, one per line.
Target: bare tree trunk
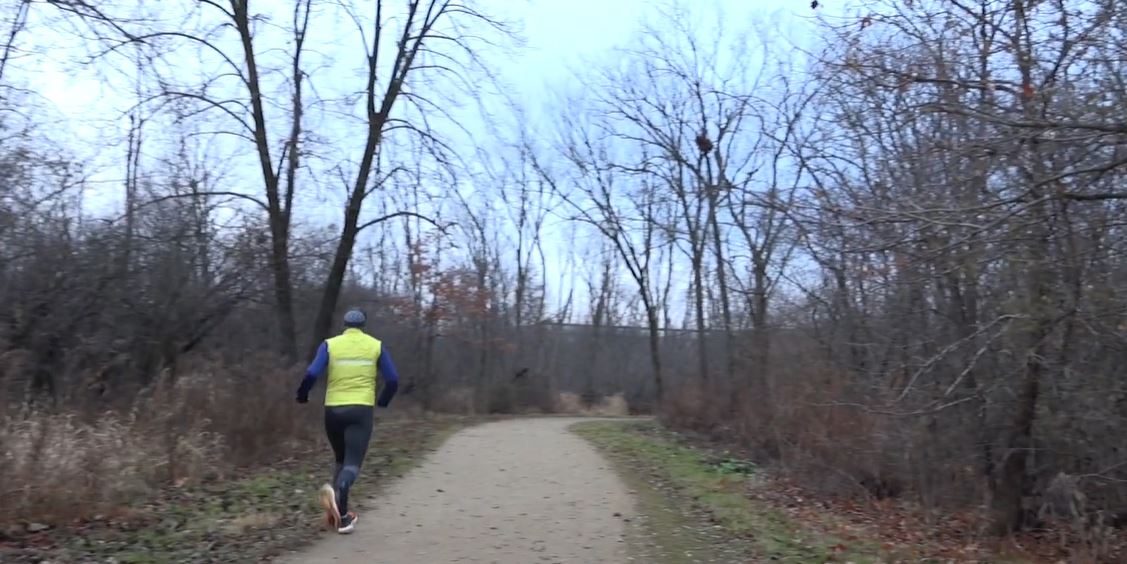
277 205
698 299
725 299
132 160
19 23
419 22
761 339
713 195
1013 483
655 351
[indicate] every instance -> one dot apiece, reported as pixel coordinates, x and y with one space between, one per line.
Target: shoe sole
351 526
328 500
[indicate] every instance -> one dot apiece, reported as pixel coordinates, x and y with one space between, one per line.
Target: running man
353 360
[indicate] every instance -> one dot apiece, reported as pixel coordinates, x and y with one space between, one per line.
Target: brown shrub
686 409
56 464
201 423
458 400
609 406
804 426
500 398
569 402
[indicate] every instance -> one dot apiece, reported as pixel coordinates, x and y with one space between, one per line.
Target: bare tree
979 164
426 25
621 207
246 110
16 26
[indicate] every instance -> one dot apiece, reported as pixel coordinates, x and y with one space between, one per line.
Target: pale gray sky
559 35
87 103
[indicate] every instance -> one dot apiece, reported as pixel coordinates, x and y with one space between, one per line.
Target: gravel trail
518 491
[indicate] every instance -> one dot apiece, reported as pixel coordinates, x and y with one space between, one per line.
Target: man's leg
334 430
335 425
357 434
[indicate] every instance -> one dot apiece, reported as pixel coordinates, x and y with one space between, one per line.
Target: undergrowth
718 488
243 517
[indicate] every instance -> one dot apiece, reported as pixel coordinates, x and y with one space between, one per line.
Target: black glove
303 392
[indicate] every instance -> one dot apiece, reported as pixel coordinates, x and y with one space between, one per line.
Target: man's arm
390 378
315 370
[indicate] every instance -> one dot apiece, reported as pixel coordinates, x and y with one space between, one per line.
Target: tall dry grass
610 406
200 424
808 426
56 464
203 422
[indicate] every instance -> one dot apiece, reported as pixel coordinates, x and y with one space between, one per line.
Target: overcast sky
558 36
87 103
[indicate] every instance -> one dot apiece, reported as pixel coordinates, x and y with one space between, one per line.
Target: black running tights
349 428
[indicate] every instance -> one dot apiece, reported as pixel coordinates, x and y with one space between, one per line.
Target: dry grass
813 429
179 430
197 425
609 406
804 426
252 521
518 398
456 400
249 516
55 464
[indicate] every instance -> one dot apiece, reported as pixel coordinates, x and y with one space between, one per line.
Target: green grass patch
717 489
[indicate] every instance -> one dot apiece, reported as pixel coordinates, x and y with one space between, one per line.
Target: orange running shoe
328 499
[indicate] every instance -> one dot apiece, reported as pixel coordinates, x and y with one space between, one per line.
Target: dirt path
521 491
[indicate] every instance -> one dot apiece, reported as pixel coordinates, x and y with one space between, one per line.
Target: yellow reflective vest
352 368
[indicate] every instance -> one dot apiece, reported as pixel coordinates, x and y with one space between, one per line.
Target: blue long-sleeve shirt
384 366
